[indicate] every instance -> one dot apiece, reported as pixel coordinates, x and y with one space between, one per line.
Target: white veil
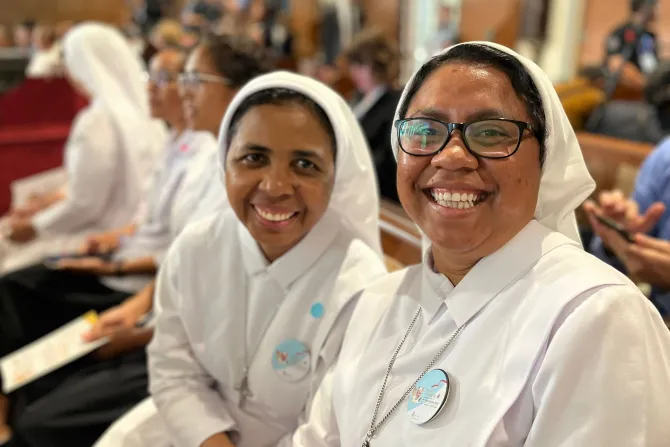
100 58
355 196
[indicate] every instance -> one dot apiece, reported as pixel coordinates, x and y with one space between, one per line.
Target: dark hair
638 5
484 55
237 58
29 24
372 49
281 97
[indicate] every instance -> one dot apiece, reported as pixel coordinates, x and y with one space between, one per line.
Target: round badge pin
291 360
317 310
428 397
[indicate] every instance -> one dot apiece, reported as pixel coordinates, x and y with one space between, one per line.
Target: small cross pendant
243 389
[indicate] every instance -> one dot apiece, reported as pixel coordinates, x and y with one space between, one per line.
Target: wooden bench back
400 236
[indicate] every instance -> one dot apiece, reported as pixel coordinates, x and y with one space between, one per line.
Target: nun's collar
297 261
489 276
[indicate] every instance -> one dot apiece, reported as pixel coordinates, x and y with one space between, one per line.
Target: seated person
287 144
543 344
23 34
645 212
110 154
373 67
644 59
648 121
46 59
37 300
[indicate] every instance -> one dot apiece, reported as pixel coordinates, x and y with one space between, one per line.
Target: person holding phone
621 224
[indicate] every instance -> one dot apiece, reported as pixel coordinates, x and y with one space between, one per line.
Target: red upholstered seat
35 121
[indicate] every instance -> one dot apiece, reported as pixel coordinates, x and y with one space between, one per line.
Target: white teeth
274 217
456 200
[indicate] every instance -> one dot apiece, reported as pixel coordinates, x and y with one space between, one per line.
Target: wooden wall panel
51 11
385 16
479 23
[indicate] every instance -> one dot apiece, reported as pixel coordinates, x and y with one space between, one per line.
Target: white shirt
153 235
223 307
203 192
558 349
97 197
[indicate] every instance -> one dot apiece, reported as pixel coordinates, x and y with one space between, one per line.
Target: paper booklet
47 354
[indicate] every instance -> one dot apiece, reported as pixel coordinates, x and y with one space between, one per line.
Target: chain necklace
375 427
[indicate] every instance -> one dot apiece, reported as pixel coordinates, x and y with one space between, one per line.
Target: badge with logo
290 360
429 396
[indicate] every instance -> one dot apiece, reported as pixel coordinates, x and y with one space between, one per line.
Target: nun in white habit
254 301
109 157
508 334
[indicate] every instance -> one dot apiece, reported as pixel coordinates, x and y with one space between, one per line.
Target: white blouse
557 349
153 235
223 308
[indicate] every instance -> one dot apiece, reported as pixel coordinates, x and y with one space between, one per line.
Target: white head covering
355 197
566 181
100 58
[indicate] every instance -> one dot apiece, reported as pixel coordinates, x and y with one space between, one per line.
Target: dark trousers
72 407
58 409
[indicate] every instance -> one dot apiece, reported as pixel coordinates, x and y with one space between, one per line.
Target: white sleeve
605 379
181 388
320 429
89 160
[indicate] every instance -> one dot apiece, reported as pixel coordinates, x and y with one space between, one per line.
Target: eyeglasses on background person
191 80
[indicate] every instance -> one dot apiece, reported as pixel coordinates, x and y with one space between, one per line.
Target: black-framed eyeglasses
193 79
489 138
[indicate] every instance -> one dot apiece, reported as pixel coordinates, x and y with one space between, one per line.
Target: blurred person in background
447 32
75 404
23 34
46 59
646 121
374 68
636 32
109 156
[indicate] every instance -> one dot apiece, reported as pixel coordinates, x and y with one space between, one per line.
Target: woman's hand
92 265
102 243
218 440
116 319
648 260
616 206
21 230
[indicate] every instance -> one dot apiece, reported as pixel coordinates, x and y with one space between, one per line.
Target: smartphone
616 227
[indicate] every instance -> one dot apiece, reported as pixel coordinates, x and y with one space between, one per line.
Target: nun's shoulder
92 119
208 233
356 254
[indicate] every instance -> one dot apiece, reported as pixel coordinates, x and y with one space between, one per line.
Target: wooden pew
401 240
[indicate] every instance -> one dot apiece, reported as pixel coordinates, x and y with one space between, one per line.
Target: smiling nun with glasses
508 333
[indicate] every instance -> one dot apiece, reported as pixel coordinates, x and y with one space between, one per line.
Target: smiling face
500 194
204 102
280 172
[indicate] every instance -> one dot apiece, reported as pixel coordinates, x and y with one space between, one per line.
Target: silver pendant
243 390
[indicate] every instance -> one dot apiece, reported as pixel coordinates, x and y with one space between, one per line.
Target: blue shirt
652 185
